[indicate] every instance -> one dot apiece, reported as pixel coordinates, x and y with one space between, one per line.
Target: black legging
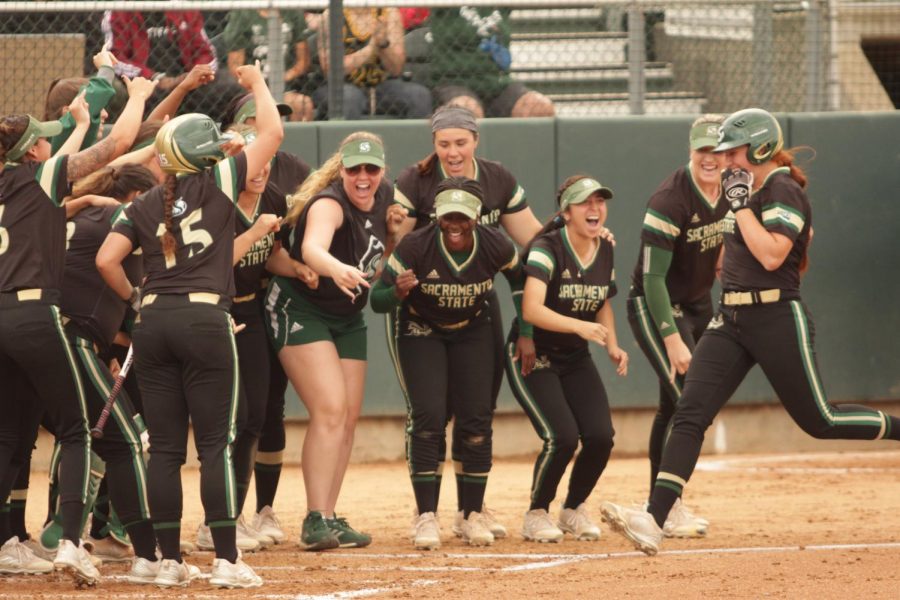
565 400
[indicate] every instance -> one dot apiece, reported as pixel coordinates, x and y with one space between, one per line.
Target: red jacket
128 40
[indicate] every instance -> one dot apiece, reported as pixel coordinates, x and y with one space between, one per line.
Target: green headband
460 201
581 190
35 131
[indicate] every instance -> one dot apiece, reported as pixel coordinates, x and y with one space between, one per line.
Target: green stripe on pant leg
94 370
391 321
654 341
870 418
79 390
517 382
230 484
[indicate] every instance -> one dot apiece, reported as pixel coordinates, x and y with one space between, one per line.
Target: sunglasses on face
370 169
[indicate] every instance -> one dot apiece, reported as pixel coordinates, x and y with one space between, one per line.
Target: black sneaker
316 534
346 535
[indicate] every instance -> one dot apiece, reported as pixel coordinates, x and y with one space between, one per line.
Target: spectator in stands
373 61
164 47
246 40
471 62
413 17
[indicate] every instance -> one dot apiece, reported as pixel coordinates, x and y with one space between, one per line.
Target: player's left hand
620 359
396 214
525 355
405 282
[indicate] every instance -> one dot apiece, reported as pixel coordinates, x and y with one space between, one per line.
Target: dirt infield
791 526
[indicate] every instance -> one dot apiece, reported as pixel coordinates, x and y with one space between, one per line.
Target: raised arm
269 131
198 76
120 138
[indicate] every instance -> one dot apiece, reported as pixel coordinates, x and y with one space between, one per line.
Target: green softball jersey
33 224
502 193
451 291
203 224
574 289
782 207
681 220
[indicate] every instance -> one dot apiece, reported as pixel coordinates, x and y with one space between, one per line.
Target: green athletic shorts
293 320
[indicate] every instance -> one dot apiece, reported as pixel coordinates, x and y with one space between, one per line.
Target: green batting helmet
754 128
189 144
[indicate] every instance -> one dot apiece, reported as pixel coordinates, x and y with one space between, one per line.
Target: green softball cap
33 132
581 190
362 152
457 201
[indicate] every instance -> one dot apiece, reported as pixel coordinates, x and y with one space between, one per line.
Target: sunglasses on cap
370 169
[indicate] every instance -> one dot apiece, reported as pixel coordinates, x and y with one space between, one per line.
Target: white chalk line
757 464
541 561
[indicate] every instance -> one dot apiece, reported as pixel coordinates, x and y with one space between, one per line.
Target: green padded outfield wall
852 288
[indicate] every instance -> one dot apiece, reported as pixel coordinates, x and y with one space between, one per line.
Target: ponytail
785 158
168 238
556 221
116 182
426 165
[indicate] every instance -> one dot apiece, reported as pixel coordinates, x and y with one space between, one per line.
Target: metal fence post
814 58
637 49
335 60
763 50
275 56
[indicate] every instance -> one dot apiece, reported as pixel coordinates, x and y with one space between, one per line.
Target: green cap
705 135
362 152
35 131
459 201
581 190
247 110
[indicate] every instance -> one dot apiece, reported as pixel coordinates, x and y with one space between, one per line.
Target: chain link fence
519 58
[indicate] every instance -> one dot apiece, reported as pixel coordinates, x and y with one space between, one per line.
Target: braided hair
168 238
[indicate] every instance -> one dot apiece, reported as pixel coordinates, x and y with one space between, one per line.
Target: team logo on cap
457 196
365 147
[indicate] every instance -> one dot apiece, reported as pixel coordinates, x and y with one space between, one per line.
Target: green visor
581 190
457 201
362 152
35 131
705 135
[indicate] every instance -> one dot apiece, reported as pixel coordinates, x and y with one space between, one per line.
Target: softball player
669 303
92 316
570 278
455 135
762 320
34 352
443 275
341 231
183 340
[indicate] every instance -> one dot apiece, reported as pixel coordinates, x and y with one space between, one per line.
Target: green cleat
346 535
316 533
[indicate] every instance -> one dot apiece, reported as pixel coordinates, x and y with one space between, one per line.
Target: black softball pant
448 374
780 338
253 358
186 354
691 321
565 400
120 446
35 353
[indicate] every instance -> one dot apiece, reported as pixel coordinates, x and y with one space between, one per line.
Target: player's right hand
592 332
248 75
737 183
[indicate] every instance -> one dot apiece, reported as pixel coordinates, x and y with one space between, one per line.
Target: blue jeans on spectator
392 97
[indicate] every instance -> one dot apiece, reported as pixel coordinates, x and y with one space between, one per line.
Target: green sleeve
382 297
656 266
516 279
98 92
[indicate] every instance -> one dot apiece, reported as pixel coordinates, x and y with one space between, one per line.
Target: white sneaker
234 575
475 531
682 523
245 534
268 524
172 573
143 570
538 527
635 524
494 526
427 532
17 558
109 549
577 522
76 561
205 541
